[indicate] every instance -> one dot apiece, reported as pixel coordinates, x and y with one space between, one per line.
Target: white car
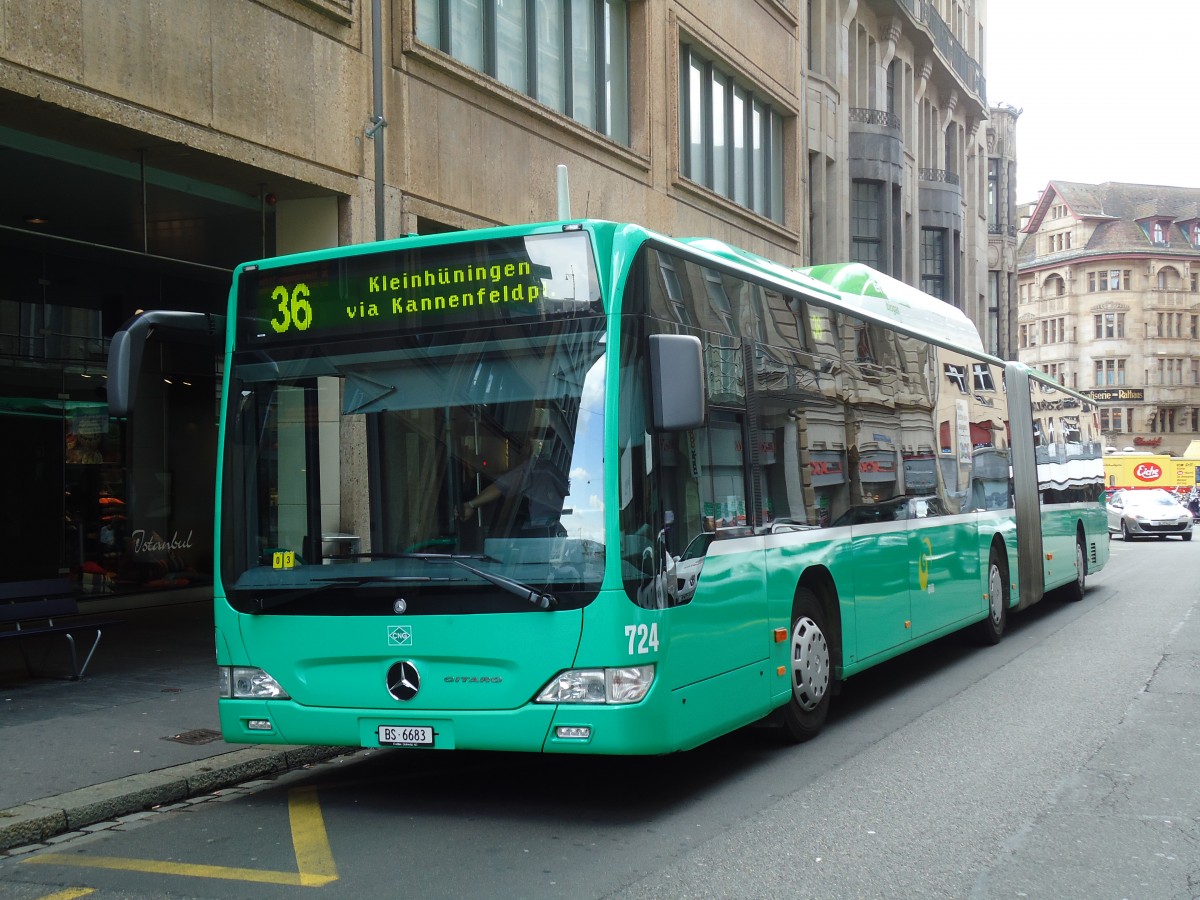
1147 513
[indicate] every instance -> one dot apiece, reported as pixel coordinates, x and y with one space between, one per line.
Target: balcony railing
879 117
941 175
943 38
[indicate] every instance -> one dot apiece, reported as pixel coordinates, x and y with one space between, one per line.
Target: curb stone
38 820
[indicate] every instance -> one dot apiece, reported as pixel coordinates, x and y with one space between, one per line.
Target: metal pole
378 123
564 194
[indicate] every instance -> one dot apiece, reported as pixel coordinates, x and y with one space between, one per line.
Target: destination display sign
399 289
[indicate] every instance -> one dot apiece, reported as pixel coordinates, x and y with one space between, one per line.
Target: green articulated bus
579 487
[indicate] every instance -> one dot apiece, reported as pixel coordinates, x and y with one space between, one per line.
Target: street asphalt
139 730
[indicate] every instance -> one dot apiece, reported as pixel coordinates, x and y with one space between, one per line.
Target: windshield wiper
540 599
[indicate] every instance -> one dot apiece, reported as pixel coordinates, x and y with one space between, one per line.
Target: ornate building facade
1003 225
1109 304
896 155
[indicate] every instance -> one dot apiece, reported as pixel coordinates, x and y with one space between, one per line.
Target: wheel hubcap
996 594
810 664
1080 566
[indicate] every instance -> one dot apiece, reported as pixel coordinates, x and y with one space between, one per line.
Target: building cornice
1099 256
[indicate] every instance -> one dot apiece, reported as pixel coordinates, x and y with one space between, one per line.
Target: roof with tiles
1118 210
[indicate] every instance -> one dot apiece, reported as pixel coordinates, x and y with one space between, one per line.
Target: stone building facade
145 151
896 155
1004 223
1109 304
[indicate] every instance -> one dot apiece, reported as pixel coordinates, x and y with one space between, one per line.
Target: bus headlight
248 683
627 684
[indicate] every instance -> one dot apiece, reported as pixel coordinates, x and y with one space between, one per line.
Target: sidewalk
139 730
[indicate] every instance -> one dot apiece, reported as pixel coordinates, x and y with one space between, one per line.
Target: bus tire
991 629
811 663
1073 592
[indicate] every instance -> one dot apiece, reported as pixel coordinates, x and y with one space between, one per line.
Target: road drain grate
196 736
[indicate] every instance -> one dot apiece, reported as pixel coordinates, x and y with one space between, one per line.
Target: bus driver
536 482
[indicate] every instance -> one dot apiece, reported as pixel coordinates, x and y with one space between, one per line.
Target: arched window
1168 279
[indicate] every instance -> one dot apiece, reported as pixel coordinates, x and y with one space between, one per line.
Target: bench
48 607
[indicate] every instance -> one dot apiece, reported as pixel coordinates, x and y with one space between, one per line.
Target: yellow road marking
314 859
69 894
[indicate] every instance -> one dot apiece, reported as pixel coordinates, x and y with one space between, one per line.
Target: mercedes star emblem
403 680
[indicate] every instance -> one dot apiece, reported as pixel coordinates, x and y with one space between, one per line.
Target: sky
1104 85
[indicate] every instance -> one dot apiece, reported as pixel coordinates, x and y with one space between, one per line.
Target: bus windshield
431 471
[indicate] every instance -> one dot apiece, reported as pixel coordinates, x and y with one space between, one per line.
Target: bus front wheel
811 669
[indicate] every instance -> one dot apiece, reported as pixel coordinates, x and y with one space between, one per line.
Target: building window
864 222
1110 372
993 195
933 262
1170 324
1112 280
731 136
1054 331
891 86
1170 371
981 377
1109 325
571 55
1056 371
1113 419
956 375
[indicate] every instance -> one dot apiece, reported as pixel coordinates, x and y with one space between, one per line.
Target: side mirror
125 349
677 381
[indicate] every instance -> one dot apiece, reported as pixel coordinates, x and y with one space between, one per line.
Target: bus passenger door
943 566
719 620
879 549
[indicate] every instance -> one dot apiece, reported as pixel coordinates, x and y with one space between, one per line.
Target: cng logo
923 563
1147 472
399 635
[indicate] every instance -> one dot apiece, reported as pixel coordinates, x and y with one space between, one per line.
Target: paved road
1067 772
1058 764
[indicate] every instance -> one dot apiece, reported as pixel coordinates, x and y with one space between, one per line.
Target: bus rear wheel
811 665
991 629
1074 591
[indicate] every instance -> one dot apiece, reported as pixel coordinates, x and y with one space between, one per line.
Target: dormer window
1158 233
